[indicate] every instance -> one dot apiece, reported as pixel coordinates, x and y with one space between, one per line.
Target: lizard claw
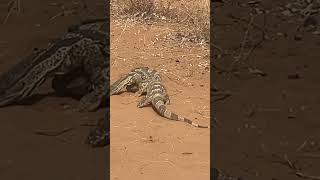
137 94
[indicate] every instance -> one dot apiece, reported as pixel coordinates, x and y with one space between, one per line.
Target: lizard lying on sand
141 81
146 80
84 50
156 94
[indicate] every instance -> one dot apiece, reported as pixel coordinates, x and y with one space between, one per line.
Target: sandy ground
272 116
143 144
265 118
23 154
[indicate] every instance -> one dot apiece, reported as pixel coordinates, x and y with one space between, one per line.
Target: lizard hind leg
99 93
167 100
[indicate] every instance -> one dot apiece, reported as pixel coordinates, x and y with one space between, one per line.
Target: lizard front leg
94 65
144 101
100 136
93 100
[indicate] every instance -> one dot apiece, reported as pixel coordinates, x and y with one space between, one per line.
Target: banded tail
161 108
158 97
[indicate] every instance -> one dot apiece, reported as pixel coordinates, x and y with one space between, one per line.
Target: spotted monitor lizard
144 80
80 58
84 49
156 94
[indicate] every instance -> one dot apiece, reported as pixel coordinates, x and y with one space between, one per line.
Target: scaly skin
84 49
100 136
158 97
81 48
141 81
132 80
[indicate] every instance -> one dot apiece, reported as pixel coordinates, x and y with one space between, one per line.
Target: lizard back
31 72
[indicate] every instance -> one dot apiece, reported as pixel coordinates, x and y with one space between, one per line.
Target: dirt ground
143 144
269 127
23 154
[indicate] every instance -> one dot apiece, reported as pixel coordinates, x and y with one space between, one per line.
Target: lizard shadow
36 98
33 99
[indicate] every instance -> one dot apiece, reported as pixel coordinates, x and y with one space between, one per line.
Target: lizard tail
164 112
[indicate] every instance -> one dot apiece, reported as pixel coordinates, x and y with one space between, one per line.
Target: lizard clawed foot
139 105
90 102
98 137
137 94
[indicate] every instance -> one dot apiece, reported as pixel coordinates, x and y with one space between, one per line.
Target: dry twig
245 39
63 13
285 160
13 5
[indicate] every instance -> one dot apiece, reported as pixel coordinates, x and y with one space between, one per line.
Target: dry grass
193 16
